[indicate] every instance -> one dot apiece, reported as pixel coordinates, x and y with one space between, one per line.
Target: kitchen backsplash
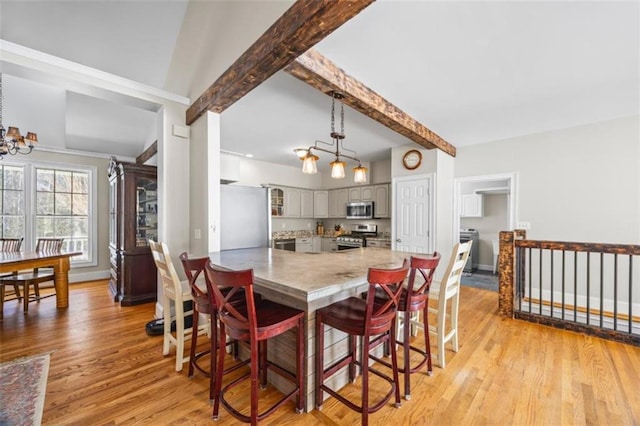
281 226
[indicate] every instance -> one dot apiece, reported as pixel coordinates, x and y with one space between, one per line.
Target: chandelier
11 141
309 160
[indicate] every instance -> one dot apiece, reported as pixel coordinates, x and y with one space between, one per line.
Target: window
45 200
62 208
12 199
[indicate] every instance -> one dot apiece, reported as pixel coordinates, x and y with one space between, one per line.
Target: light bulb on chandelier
309 160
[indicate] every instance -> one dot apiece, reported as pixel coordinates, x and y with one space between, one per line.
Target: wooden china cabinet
133 210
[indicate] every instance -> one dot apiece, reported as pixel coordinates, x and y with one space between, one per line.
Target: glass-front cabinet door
146 211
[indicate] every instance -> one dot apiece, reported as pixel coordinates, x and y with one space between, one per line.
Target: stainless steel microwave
360 210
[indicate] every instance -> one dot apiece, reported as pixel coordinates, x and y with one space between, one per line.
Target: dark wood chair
202 304
10 245
37 276
367 318
254 322
414 298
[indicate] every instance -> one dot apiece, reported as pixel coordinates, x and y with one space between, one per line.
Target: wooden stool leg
262 363
194 342
255 370
406 331
353 355
213 330
364 366
394 363
219 371
427 339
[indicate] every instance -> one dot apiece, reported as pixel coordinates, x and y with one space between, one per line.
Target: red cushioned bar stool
365 318
254 322
415 299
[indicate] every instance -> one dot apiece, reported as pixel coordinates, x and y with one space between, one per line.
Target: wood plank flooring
105 370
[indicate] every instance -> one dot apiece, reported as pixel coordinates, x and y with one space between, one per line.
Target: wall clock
412 159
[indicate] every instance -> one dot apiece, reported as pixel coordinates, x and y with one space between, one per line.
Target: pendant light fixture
309 160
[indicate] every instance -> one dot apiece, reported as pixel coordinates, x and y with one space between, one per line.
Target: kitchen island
308 281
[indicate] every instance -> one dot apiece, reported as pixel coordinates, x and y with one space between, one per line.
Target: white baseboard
78 277
485 268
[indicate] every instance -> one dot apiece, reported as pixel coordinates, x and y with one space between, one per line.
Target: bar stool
201 305
179 292
253 322
415 299
365 318
193 268
448 290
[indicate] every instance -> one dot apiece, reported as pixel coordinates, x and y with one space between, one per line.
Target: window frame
30 204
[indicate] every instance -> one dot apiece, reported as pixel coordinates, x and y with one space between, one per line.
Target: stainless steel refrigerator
245 217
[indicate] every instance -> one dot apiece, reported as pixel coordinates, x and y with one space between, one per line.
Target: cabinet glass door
146 211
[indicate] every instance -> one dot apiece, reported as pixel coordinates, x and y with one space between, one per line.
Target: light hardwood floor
106 370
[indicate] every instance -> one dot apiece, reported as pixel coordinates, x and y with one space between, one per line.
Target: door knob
398 240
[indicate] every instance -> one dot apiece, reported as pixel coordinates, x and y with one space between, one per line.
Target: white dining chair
448 289
179 292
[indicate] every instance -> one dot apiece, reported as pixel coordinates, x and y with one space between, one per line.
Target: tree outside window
12 208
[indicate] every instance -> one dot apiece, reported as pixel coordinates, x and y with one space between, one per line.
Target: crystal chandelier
11 141
309 160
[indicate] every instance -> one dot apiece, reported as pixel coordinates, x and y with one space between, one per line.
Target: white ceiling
472 72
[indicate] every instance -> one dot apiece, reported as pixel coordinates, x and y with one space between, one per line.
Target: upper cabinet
381 201
277 202
472 205
338 199
306 203
291 202
321 204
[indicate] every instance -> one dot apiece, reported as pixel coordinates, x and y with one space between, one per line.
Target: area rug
23 385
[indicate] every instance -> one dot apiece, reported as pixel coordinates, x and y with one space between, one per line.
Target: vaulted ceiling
472 72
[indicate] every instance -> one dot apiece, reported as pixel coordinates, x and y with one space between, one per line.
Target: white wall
579 184
493 220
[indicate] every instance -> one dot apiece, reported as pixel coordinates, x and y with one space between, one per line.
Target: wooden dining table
18 261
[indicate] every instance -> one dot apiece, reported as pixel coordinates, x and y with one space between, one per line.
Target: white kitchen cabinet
304 245
316 244
367 193
338 199
378 243
355 194
329 244
381 201
306 203
291 202
320 204
472 205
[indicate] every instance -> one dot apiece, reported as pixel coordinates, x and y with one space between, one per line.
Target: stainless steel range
357 238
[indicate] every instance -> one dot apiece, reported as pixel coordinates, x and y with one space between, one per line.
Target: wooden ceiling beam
319 72
303 25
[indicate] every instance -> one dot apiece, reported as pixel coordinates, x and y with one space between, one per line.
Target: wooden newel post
507 271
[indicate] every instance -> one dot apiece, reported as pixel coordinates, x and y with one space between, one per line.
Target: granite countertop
309 276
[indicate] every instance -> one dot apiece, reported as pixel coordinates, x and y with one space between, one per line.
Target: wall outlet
284 225
197 234
524 225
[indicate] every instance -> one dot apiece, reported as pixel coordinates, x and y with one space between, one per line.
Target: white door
413 218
